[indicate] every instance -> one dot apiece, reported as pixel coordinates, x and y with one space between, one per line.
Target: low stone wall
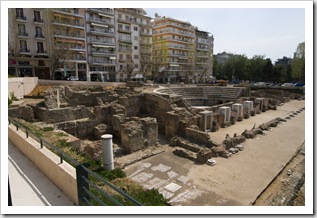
197 136
63 175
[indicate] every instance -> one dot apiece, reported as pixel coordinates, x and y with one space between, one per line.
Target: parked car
288 84
73 78
260 84
299 84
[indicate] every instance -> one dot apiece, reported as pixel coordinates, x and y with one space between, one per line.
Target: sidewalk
29 186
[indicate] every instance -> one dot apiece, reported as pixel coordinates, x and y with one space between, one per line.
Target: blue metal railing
89 193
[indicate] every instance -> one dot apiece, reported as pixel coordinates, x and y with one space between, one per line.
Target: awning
104 46
96 24
105 15
174 65
113 58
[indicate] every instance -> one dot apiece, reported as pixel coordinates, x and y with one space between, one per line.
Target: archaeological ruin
182 115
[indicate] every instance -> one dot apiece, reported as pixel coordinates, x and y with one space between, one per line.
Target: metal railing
89 193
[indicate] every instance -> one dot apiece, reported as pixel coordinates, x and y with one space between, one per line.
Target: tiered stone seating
190 92
222 92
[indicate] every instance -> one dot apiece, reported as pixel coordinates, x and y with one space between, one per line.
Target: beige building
28 42
133 32
183 52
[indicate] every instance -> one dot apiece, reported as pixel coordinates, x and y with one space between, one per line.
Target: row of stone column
206 119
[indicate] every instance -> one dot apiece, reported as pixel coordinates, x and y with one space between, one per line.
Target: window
119 16
38 31
120 56
135 47
21 28
40 47
135 38
120 26
126 17
37 16
136 56
135 28
127 28
23 45
20 14
41 63
136 66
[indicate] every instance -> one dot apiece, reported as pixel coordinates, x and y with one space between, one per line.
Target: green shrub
150 197
47 129
9 101
110 174
13 97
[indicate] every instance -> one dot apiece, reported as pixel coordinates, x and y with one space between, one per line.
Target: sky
273 32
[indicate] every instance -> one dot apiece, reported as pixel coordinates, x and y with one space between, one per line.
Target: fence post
81 183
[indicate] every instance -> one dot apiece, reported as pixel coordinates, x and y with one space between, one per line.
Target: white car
73 78
288 84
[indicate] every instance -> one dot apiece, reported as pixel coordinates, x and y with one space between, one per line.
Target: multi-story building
101 44
285 61
204 56
174 49
28 42
68 42
133 32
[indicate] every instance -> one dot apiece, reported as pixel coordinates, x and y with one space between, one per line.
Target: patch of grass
62 143
47 129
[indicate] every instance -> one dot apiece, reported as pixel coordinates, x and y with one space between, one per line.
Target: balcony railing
71 35
41 51
124 30
101 51
100 31
68 11
38 20
123 49
101 20
20 17
69 22
39 36
25 50
99 61
101 41
125 40
23 34
104 10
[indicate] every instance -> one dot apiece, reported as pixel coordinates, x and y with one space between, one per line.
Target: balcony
104 42
38 20
125 40
101 51
102 10
24 50
68 11
39 36
69 23
177 32
124 31
125 49
23 34
101 32
69 35
127 21
21 18
77 48
43 52
103 21
102 62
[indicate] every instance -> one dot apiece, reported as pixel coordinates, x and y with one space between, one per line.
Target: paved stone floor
234 181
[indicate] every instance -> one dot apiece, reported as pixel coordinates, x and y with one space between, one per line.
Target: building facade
106 44
28 42
134 32
101 44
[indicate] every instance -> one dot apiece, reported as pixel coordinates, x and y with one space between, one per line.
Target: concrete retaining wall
21 86
62 174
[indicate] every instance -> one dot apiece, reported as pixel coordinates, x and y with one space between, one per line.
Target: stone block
203 155
150 130
132 137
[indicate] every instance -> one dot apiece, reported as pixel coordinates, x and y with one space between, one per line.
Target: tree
256 68
298 64
129 67
268 71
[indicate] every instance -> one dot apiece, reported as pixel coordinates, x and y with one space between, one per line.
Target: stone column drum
107 152
248 105
226 111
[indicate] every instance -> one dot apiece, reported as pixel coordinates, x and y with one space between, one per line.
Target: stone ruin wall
89 114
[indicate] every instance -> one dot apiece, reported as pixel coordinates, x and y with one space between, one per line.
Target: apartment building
68 42
133 32
183 52
204 56
101 44
28 42
174 49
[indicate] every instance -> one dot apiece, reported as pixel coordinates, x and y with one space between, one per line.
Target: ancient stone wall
197 136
